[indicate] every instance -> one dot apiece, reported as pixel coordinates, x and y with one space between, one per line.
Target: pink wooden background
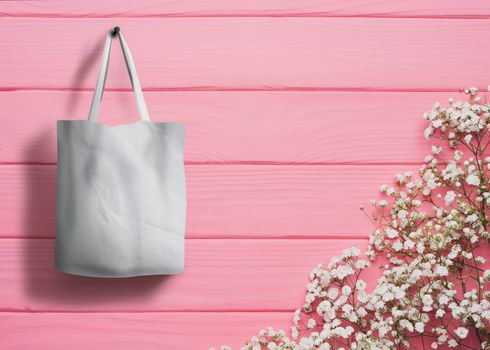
296 112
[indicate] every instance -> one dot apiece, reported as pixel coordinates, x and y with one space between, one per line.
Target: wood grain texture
239 127
296 112
227 275
149 8
249 53
149 331
225 200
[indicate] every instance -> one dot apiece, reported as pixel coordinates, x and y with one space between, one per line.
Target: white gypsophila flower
390 191
427 299
441 270
397 245
436 149
311 323
402 214
449 198
409 244
472 218
353 251
333 293
323 307
437 123
306 343
294 332
419 327
391 233
360 284
472 179
461 332
428 132
346 290
443 299
452 343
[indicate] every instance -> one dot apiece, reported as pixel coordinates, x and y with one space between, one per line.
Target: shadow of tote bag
121 192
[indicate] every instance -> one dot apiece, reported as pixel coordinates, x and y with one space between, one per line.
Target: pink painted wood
253 8
149 331
251 201
251 53
220 274
239 127
296 112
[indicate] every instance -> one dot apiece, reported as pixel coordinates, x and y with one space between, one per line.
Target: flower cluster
429 245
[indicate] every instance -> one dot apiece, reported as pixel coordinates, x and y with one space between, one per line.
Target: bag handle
135 83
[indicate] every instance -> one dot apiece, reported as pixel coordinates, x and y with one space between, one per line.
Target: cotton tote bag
121 193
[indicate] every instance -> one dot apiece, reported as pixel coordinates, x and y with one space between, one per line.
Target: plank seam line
237 89
232 15
11 310
244 89
256 163
223 237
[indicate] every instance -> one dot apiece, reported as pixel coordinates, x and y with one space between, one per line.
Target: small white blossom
441 270
461 332
360 284
311 323
391 233
333 293
427 299
472 179
419 327
346 290
449 198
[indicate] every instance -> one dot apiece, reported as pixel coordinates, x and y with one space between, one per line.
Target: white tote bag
121 191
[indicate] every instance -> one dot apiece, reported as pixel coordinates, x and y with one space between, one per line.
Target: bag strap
135 83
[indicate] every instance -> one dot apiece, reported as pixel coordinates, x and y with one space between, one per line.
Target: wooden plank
239 127
169 330
220 274
149 8
249 53
176 331
225 200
